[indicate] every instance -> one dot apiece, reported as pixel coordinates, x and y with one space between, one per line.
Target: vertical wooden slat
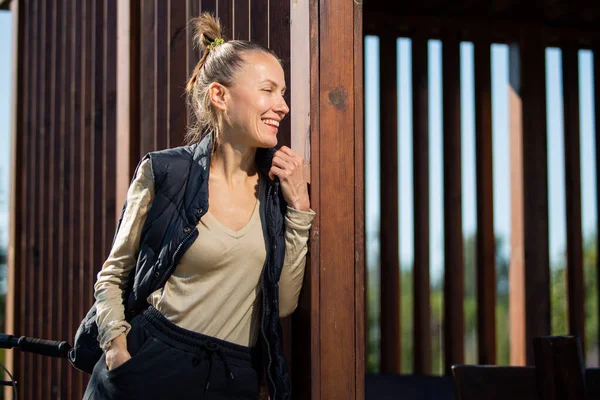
421 305
59 267
575 286
75 121
336 203
241 19
177 74
359 207
597 138
44 207
390 268
486 272
308 385
209 6
87 275
224 13
453 243
148 77
279 32
530 263
193 54
161 78
259 22
20 77
128 84
33 147
109 125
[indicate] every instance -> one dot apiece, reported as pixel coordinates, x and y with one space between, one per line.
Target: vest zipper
264 312
177 250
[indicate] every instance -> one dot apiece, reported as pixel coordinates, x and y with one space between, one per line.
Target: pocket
134 360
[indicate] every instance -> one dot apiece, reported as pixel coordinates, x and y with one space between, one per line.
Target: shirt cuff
114 330
299 219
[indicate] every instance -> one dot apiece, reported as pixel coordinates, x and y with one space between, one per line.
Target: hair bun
206 29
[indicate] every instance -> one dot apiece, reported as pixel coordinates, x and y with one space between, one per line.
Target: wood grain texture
336 201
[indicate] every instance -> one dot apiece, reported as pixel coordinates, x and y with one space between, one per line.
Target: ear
217 94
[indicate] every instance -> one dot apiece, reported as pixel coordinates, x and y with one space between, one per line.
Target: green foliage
558 304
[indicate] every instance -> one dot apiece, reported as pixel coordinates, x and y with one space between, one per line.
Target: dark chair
408 387
592 383
475 382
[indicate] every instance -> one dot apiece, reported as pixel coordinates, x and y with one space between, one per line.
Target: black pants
169 362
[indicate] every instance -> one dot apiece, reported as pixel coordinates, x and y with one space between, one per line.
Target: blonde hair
221 60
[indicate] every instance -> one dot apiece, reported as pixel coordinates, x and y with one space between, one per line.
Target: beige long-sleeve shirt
215 289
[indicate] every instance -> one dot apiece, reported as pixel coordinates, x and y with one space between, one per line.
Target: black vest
180 200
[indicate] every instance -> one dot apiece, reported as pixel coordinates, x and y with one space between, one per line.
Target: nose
281 107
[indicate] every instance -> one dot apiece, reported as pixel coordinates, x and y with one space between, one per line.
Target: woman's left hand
289 168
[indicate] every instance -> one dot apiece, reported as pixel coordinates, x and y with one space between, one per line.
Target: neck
233 162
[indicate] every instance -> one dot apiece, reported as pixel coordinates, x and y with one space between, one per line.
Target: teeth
271 122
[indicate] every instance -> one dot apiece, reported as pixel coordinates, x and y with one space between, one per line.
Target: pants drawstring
208 351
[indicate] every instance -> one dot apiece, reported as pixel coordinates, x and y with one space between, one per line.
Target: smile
271 122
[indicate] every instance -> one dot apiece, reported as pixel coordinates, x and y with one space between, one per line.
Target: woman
188 301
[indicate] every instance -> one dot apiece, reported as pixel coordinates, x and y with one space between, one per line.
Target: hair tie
216 43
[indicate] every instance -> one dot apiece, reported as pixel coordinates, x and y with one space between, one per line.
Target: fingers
287 158
281 173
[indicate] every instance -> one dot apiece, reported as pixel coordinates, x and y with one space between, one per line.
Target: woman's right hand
117 354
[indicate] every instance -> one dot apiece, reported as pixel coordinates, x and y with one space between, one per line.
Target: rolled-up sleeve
113 279
297 227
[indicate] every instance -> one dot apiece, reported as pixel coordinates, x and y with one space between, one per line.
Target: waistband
191 342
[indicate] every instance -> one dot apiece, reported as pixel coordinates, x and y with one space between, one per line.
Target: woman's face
255 104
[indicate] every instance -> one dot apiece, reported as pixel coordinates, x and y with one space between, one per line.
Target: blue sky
500 149
5 107
500 137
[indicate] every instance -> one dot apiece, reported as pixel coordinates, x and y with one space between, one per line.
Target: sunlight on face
255 103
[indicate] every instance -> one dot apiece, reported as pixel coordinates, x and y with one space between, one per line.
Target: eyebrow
273 83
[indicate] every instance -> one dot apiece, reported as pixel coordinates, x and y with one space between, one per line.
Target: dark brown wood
241 19
360 266
592 383
259 23
535 172
494 383
177 75
560 370
337 180
279 33
421 305
148 54
453 240
75 265
162 61
390 264
306 320
576 294
87 262
597 125
224 13
530 266
468 28
486 271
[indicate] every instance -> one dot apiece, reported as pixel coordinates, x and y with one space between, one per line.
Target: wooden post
530 264
390 263
486 272
337 261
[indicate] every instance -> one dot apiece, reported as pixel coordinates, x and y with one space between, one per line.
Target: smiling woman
212 274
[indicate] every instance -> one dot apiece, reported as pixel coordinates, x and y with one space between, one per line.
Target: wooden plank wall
67 188
530 263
